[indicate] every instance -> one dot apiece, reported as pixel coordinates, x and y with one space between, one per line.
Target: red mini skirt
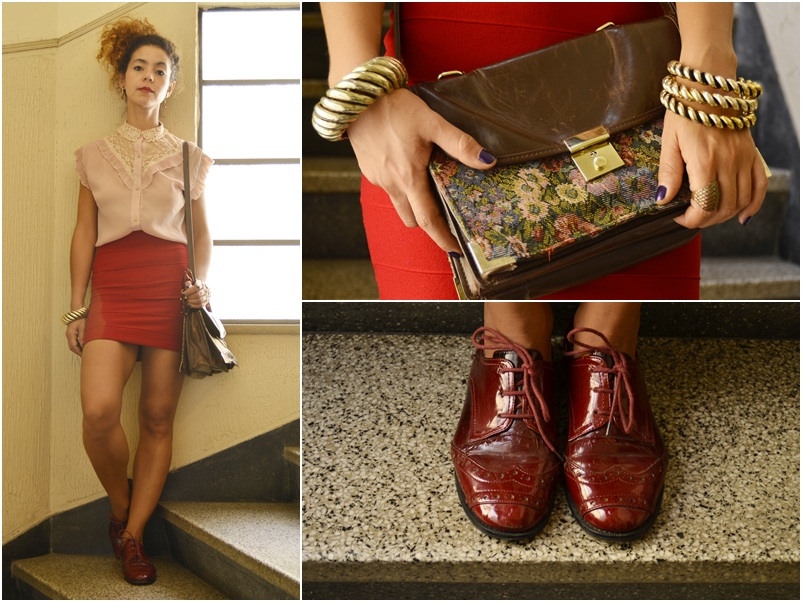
136 290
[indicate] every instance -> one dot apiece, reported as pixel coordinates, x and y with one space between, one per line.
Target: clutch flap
527 107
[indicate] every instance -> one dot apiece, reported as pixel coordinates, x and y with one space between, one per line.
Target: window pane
251 44
249 202
256 283
252 122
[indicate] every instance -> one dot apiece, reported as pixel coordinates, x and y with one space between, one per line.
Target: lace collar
133 134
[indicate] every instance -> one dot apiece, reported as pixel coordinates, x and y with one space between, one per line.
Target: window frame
202 83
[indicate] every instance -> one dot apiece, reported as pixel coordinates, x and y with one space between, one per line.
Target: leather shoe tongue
608 359
512 356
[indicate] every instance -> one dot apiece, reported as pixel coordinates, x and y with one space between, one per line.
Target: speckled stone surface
75 577
380 506
263 538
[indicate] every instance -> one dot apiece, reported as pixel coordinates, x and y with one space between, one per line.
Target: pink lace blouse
137 180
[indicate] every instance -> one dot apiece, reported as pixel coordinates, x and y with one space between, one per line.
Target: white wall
781 27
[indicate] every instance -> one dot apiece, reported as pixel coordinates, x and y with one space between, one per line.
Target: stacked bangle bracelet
78 314
675 95
343 103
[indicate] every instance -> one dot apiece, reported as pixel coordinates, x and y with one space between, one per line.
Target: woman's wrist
344 102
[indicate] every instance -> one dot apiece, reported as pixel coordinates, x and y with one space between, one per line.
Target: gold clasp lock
593 154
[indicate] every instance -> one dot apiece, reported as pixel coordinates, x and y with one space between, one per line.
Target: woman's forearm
82 248
202 238
706 31
353 34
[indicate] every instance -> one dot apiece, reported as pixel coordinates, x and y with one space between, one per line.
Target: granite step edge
50 577
262 566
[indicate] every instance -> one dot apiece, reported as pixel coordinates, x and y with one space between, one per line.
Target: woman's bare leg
619 322
527 323
161 388
105 368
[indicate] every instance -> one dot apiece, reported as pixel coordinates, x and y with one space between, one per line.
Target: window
250 65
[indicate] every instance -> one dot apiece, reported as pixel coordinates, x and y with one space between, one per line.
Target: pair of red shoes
506 456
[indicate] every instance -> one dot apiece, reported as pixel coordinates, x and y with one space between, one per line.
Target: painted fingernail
454 255
747 220
486 157
661 193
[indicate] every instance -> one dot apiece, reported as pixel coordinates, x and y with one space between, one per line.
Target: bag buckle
593 154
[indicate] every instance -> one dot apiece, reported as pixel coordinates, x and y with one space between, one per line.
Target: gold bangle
343 103
681 92
743 87
711 120
78 314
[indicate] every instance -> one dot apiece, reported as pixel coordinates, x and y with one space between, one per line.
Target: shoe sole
498 533
611 535
145 582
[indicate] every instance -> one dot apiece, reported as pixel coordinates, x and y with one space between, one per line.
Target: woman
393 138
130 237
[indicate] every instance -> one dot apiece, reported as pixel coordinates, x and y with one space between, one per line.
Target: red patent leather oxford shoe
615 458
503 451
116 529
137 567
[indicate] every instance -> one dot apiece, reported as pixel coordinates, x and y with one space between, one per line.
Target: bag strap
188 213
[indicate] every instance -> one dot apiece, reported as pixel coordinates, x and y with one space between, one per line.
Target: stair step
749 278
80 577
247 550
293 455
383 519
341 279
752 278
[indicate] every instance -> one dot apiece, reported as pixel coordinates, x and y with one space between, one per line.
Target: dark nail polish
747 220
661 193
486 157
454 255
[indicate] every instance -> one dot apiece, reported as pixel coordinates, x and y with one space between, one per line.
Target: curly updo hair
121 39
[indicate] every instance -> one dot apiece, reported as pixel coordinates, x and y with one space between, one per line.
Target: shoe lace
620 378
139 551
529 400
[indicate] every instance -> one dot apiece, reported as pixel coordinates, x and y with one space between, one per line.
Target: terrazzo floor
262 538
380 506
76 577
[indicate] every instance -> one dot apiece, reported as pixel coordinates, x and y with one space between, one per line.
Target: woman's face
147 79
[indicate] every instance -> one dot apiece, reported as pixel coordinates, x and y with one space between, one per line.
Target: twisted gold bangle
743 87
679 91
698 116
343 103
71 316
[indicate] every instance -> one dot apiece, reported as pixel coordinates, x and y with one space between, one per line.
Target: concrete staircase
737 262
383 389
204 551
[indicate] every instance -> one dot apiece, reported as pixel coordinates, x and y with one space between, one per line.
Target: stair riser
694 320
552 591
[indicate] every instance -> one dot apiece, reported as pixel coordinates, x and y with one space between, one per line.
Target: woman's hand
393 141
710 154
75 336
196 295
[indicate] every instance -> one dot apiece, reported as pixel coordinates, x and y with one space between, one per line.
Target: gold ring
707 198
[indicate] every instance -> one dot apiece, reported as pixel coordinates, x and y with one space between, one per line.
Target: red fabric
136 286
437 37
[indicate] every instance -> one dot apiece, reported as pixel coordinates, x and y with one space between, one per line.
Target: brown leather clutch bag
576 128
